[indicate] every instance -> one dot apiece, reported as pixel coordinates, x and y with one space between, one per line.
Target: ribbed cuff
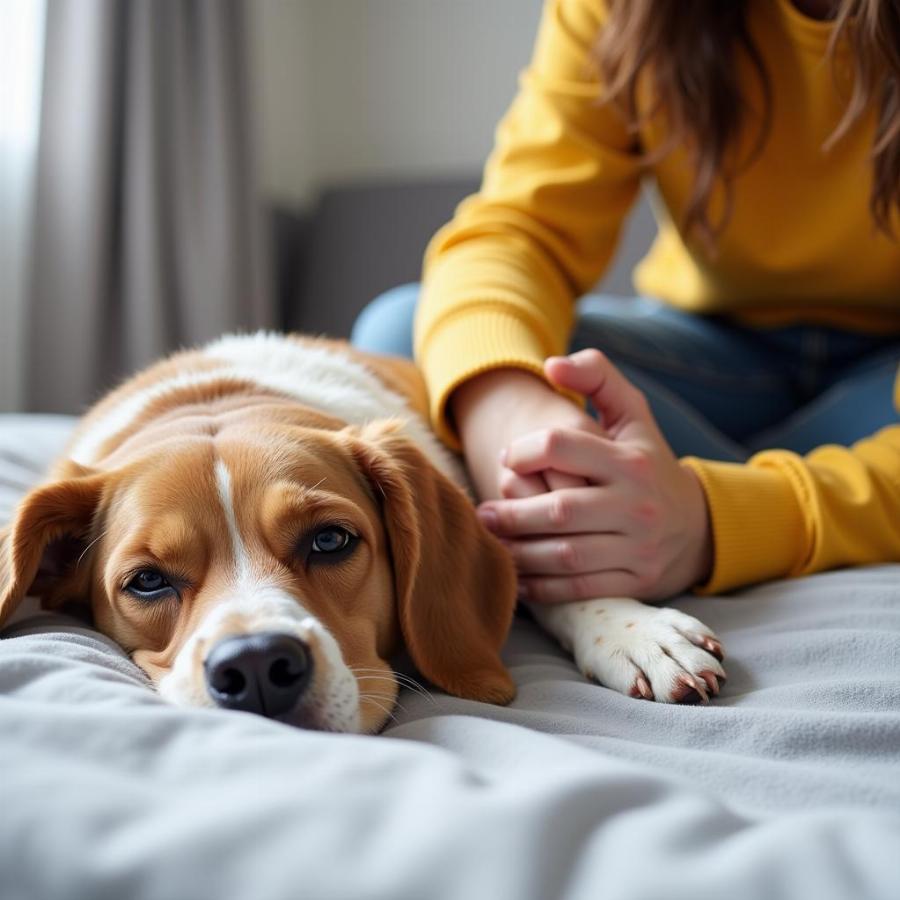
757 523
463 346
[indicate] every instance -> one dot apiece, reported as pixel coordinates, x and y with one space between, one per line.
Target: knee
385 325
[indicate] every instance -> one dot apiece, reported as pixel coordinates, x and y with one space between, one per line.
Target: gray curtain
148 228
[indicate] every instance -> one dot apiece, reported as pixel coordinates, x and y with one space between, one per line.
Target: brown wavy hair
686 51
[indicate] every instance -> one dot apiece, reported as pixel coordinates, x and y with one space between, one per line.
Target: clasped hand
597 512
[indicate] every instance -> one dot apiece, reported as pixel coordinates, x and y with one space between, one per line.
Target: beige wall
373 88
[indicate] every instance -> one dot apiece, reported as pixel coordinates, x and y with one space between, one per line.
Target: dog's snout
264 673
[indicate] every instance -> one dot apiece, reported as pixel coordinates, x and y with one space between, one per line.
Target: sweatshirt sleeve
782 515
500 278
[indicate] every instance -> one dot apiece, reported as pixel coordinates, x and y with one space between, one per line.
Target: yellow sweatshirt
500 279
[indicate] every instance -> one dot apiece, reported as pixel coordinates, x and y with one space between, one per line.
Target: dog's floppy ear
455 584
41 549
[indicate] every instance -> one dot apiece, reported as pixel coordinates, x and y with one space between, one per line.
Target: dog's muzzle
265 673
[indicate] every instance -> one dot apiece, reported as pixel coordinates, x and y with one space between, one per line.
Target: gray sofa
362 239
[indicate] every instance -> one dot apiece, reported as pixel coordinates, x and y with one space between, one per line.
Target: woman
770 130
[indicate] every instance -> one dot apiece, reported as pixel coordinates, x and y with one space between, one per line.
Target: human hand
494 409
637 527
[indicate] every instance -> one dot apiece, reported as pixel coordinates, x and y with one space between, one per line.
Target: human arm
778 515
500 279
783 515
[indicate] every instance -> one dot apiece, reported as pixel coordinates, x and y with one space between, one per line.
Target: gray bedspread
788 785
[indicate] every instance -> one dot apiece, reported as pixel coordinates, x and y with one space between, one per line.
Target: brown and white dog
265 522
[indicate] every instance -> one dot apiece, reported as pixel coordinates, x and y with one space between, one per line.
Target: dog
266 522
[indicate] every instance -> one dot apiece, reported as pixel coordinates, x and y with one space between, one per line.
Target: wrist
494 408
479 401
703 555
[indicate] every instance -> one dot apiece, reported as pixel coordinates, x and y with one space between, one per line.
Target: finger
591 373
556 480
587 586
564 450
514 486
572 554
568 511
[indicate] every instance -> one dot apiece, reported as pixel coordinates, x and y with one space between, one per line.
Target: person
745 427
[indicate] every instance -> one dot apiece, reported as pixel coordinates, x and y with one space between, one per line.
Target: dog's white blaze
319 377
332 701
223 485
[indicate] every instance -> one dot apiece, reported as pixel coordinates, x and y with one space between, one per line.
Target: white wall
372 88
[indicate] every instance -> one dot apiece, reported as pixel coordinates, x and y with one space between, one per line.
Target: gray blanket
788 785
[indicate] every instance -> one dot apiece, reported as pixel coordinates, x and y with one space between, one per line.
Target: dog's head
274 567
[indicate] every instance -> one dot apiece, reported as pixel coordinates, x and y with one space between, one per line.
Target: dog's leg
657 653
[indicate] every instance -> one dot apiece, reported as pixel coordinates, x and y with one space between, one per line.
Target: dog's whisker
400 676
387 697
386 678
416 686
419 690
406 681
91 544
391 704
375 702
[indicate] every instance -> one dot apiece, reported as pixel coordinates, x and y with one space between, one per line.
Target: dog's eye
332 540
148 584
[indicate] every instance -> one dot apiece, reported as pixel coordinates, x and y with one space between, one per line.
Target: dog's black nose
263 673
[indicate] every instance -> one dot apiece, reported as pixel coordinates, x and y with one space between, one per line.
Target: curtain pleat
148 230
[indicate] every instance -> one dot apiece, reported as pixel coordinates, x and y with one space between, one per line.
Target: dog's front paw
643 651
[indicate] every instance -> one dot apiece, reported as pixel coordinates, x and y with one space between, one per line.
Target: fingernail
503 457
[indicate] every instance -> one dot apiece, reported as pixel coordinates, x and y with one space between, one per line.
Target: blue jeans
718 390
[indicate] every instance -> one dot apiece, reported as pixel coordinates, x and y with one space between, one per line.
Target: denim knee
385 325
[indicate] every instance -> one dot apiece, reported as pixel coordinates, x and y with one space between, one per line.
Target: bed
787 785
